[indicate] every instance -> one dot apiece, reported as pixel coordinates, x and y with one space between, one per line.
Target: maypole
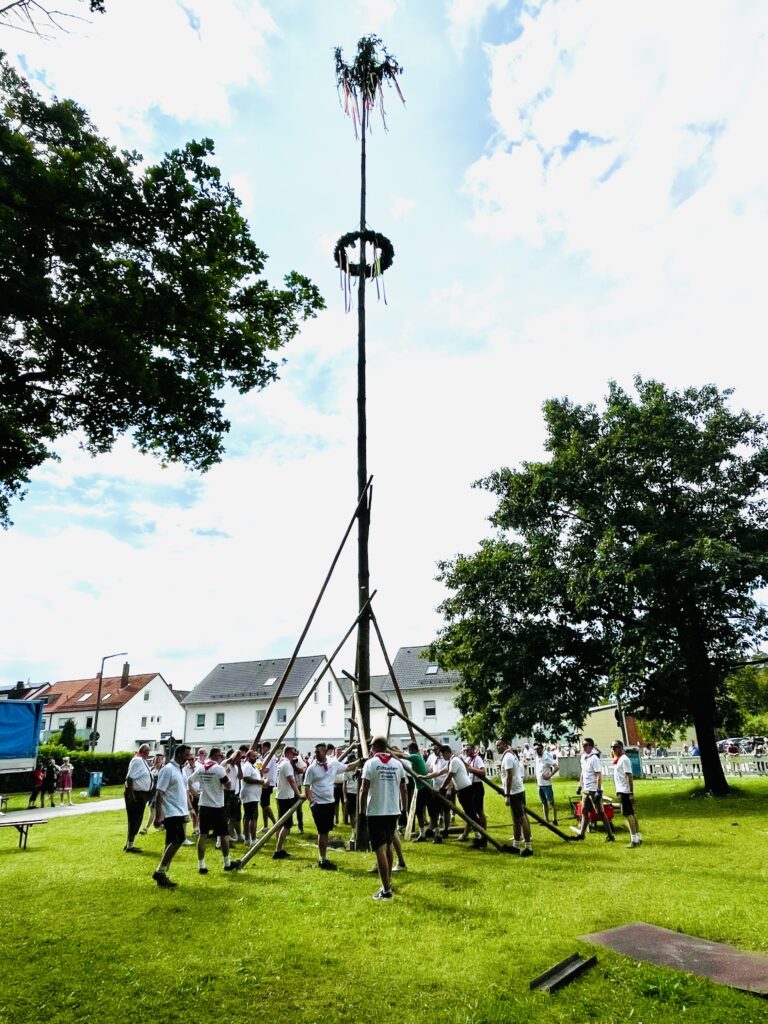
361 88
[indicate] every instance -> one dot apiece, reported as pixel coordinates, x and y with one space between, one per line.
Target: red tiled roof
74 689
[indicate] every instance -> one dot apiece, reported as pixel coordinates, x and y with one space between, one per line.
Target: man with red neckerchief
384 795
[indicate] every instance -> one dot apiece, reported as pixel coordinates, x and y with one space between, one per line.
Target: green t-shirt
419 766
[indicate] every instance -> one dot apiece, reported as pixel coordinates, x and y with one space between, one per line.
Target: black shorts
174 830
517 806
266 794
351 804
381 829
213 821
478 788
627 803
250 810
283 806
324 817
466 798
590 801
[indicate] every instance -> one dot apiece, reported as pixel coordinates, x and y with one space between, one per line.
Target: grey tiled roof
244 680
411 672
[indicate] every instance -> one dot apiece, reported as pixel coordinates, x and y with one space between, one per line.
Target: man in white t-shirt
252 782
625 791
288 793
269 784
437 768
320 781
546 768
511 778
172 811
459 778
138 788
591 787
475 763
384 795
213 780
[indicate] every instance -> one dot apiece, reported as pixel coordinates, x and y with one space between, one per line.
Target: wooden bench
23 825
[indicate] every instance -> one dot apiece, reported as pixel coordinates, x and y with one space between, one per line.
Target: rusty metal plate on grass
723 964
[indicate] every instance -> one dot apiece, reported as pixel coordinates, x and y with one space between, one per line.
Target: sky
576 193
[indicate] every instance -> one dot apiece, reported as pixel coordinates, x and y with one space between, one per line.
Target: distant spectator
65 781
49 782
138 788
38 781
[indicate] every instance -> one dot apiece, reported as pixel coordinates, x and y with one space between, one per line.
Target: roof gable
413 671
113 695
248 680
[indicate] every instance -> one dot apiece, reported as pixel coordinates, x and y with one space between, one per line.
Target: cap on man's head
617 743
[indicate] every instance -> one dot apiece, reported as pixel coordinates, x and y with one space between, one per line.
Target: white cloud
465 17
402 206
147 57
376 14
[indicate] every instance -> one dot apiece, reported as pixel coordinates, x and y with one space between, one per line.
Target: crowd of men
225 793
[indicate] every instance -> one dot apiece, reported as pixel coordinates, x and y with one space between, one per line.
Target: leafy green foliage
130 297
67 735
627 562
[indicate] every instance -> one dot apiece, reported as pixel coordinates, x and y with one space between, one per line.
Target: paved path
59 811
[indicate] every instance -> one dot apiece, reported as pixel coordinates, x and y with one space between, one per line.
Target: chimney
125 677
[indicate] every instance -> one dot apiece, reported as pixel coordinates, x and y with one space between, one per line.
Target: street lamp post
94 733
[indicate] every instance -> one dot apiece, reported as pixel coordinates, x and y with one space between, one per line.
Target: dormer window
432 670
271 681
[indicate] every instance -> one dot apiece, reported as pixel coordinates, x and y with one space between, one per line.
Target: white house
428 694
228 706
133 709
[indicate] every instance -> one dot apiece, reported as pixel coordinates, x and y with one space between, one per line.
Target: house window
430 710
158 719
431 670
316 696
219 719
322 718
89 722
271 681
330 691
199 722
282 716
84 697
144 721
146 695
408 708
152 718
105 697
259 717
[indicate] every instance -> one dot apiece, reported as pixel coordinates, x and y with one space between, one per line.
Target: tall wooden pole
364 511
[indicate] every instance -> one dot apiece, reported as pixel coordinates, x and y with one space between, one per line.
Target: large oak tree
625 563
131 297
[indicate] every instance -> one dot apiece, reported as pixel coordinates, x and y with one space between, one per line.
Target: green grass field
88 935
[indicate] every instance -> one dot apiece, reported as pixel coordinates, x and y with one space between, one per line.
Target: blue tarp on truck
20 722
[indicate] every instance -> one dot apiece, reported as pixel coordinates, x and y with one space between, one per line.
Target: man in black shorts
288 793
319 789
214 781
384 795
172 811
270 781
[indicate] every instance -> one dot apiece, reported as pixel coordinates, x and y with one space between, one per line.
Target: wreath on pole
382 255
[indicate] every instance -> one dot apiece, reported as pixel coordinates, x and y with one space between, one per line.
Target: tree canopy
627 563
130 296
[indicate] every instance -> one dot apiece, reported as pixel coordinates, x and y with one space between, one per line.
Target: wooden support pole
267 835
292 660
491 785
393 677
363 611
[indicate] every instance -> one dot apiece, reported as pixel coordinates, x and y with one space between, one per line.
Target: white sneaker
187 842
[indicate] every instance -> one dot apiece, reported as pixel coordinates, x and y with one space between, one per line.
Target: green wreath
379 241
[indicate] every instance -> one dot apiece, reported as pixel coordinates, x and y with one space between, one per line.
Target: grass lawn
87 935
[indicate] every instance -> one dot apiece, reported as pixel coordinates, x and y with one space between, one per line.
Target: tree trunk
704 723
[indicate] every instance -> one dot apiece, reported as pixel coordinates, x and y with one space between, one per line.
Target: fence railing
687 767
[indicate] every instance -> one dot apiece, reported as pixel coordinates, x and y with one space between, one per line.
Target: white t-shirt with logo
510 763
284 773
591 765
621 769
461 777
321 779
251 790
384 774
211 778
171 783
544 766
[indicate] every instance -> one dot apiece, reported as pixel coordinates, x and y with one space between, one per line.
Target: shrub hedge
114 768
